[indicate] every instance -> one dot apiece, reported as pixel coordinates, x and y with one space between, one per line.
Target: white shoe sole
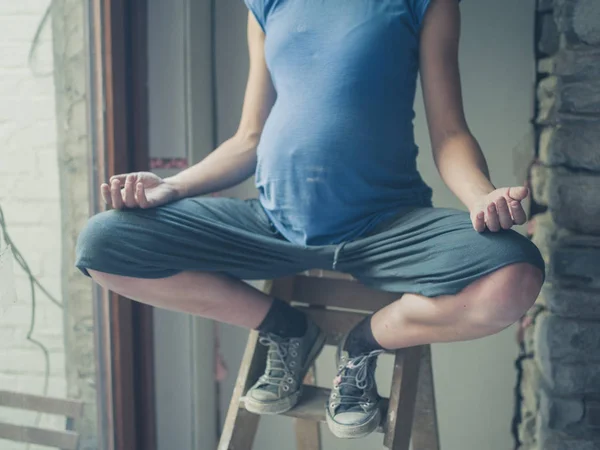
357 431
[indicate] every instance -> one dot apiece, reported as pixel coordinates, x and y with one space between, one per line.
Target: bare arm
235 160
457 154
230 164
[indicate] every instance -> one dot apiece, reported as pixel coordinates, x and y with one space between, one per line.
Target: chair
64 439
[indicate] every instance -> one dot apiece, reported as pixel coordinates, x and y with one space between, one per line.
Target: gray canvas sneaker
288 360
353 410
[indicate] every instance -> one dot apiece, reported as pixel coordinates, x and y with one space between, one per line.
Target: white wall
474 380
29 196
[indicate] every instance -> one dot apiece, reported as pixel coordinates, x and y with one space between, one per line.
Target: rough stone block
530 385
551 239
566 352
580 63
565 98
580 19
572 197
553 440
527 430
592 415
531 446
575 263
539 179
572 144
545 5
572 416
529 332
561 414
573 341
571 302
547 65
580 96
546 95
549 36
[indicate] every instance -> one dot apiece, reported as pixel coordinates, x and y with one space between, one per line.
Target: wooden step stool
411 406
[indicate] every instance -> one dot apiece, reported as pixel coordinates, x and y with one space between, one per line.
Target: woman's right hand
138 190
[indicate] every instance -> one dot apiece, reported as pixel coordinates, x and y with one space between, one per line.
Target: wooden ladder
411 406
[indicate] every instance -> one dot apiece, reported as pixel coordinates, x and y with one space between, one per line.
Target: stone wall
561 371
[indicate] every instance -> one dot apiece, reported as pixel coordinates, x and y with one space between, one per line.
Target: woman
327 128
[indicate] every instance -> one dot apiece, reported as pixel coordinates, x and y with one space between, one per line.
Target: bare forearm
463 168
230 164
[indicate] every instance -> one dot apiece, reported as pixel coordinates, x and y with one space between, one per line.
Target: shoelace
353 378
277 368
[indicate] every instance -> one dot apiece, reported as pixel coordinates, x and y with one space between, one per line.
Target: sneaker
288 360
353 409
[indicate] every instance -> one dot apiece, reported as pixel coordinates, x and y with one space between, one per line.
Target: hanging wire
33 283
35 42
23 264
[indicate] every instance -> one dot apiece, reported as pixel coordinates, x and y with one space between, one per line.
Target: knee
96 241
503 297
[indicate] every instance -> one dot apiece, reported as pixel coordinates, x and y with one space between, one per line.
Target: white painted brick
30 384
42 60
53 284
23 288
19 28
35 212
18 316
14 163
22 7
51 337
26 110
23 84
24 188
17 416
51 268
31 361
47 167
53 422
13 56
6 130
31 240
9 382
34 384
35 266
46 155
8 445
8 338
11 79
50 318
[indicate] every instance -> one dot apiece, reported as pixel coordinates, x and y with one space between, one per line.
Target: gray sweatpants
427 251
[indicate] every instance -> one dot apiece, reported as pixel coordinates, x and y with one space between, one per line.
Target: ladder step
339 292
312 406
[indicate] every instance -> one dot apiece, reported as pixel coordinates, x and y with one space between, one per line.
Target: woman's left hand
500 209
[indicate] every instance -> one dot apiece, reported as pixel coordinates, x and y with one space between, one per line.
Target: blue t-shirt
337 154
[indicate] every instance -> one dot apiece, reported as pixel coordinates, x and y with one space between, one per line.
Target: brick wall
561 377
29 196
